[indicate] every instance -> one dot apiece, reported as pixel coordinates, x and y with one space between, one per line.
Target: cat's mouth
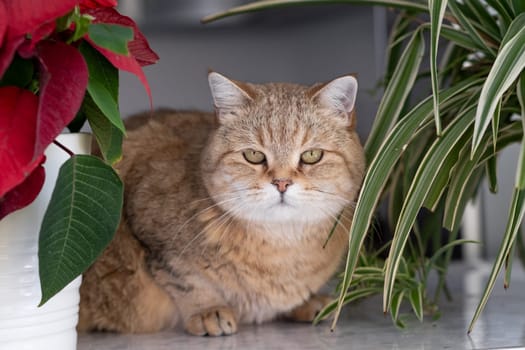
283 202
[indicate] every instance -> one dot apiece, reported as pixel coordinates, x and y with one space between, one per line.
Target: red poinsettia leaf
63 82
18 111
141 50
7 52
138 47
26 192
27 48
25 16
91 4
3 22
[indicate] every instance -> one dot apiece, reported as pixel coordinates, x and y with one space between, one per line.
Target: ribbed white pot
23 325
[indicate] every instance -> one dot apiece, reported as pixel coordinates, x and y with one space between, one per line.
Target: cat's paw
309 310
214 322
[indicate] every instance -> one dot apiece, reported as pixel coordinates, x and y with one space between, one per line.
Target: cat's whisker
337 219
193 217
225 216
219 195
225 222
230 220
332 194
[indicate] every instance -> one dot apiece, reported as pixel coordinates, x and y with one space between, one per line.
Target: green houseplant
59 64
433 152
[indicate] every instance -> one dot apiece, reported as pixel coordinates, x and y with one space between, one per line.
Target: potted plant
59 64
432 152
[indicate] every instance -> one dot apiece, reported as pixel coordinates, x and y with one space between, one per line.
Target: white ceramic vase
24 325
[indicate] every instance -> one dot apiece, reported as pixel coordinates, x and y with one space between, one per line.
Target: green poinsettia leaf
109 107
103 84
80 221
113 37
82 25
109 137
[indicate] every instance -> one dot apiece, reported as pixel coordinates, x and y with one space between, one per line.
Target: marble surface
363 326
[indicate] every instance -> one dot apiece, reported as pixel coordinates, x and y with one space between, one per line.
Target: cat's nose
282 184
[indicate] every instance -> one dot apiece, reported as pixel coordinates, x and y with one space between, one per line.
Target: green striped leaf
79 222
457 36
509 63
425 175
492 173
495 123
416 300
516 213
444 249
373 184
397 300
379 171
437 11
349 297
509 259
396 93
468 27
267 4
487 22
517 24
520 169
503 9
520 247
401 28
462 186
518 6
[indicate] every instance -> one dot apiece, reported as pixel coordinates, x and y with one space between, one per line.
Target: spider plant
433 152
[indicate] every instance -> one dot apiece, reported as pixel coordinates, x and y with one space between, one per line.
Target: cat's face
283 153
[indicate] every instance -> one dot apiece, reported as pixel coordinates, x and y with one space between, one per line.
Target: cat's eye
312 156
253 156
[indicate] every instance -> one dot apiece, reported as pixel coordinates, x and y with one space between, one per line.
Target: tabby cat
227 215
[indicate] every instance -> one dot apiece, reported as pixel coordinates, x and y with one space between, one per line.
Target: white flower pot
24 325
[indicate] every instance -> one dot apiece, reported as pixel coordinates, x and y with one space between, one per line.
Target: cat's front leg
202 309
309 310
214 321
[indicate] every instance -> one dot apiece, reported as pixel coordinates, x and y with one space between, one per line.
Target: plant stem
64 148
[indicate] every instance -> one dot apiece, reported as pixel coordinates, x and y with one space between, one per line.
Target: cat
227 215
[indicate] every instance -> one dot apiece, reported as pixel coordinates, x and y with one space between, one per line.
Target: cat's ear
228 95
338 95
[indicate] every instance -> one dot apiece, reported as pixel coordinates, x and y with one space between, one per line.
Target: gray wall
301 45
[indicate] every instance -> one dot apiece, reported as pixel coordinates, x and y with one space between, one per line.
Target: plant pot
24 325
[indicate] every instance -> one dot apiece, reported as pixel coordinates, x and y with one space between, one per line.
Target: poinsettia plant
59 64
